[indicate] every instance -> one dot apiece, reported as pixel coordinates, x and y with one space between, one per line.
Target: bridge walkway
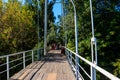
54 66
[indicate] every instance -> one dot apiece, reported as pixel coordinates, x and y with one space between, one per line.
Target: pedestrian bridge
53 66
39 64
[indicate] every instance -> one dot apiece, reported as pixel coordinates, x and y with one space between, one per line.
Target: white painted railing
20 56
72 61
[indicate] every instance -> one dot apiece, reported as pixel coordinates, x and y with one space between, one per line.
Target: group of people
54 46
57 47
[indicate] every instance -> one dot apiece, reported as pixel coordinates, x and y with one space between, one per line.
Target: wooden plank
36 75
40 75
17 75
44 76
51 76
25 74
31 74
31 65
41 63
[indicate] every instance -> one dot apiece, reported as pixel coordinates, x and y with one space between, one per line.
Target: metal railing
8 62
70 55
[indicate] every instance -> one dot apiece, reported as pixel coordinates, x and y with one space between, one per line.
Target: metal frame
99 69
76 39
93 46
38 29
23 58
45 28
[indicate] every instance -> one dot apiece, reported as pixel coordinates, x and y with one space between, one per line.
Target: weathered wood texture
54 66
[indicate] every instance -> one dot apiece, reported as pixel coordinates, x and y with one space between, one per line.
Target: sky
57 11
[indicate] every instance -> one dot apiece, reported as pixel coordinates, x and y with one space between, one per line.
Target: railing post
70 57
7 60
94 57
38 55
32 56
66 54
65 51
24 60
41 51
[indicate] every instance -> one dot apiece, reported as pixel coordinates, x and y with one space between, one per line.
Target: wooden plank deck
53 67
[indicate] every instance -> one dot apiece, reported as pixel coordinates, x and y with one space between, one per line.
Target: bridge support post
32 56
76 41
38 25
45 28
38 54
93 46
94 57
7 60
70 57
24 60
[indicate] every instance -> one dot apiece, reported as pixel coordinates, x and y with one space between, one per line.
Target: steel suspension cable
93 46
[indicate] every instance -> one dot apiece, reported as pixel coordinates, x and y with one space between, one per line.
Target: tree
17 28
106 22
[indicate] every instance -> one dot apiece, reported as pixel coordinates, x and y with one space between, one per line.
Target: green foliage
60 34
40 45
84 48
70 45
16 27
117 68
107 32
51 37
19 27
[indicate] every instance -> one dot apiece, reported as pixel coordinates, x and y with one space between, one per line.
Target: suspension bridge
54 65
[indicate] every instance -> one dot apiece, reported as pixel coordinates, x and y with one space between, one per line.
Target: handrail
24 57
15 53
101 70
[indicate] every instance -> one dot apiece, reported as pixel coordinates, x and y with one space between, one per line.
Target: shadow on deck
54 66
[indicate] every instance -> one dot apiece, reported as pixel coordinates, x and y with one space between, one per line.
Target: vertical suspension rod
76 40
93 46
92 22
45 28
38 31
